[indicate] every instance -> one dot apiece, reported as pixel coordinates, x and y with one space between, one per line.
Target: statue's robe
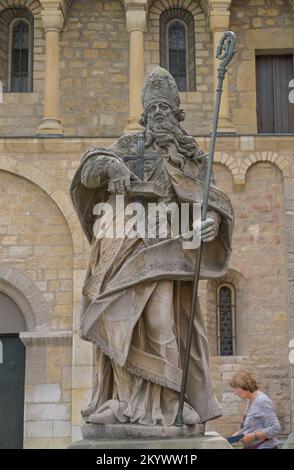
123 275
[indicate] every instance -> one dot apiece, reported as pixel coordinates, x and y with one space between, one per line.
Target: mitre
160 86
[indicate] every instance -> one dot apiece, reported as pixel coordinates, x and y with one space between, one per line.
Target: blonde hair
244 380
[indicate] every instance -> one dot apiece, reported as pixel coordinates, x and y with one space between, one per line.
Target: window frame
233 309
30 55
168 25
185 17
271 53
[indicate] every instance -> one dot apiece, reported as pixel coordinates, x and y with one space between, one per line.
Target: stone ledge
46 337
211 440
137 431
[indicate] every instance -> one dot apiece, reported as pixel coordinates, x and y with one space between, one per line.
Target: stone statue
137 292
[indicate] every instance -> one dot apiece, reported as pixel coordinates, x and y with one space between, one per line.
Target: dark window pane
15 65
275 114
177 53
182 62
20 57
226 322
24 62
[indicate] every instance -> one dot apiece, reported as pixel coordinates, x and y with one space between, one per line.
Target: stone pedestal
130 436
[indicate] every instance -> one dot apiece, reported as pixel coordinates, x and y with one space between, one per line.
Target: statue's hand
119 177
210 227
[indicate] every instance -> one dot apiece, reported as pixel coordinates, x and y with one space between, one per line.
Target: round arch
270 157
16 285
240 285
33 6
194 7
60 198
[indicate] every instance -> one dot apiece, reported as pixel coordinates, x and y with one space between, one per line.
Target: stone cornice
58 7
52 20
136 15
219 14
135 4
44 336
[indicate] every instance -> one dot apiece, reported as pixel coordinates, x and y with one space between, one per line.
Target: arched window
226 323
177 47
20 56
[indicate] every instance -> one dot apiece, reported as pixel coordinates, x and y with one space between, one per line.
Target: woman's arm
271 425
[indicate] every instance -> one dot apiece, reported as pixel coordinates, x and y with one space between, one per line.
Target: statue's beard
168 134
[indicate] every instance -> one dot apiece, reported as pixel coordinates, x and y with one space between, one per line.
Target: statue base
132 436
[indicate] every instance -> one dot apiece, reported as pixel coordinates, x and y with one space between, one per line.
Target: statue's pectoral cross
140 158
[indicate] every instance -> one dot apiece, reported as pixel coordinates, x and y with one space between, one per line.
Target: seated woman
260 424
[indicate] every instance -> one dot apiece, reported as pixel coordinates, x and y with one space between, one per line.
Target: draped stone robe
137 296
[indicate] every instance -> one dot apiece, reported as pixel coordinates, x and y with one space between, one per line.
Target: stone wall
35 239
36 245
258 273
94 56
94 69
48 392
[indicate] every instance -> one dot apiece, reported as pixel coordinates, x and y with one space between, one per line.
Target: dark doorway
12 376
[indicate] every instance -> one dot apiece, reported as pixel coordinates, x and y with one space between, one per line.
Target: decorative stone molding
52 20
158 7
239 167
43 336
136 15
25 294
226 160
33 6
219 15
136 20
245 163
62 5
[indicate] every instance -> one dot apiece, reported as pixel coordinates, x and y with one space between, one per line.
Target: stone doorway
12 374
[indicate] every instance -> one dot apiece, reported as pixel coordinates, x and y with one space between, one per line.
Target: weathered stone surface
211 440
136 431
94 49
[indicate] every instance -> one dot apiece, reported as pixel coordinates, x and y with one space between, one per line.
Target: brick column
219 19
136 20
52 20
